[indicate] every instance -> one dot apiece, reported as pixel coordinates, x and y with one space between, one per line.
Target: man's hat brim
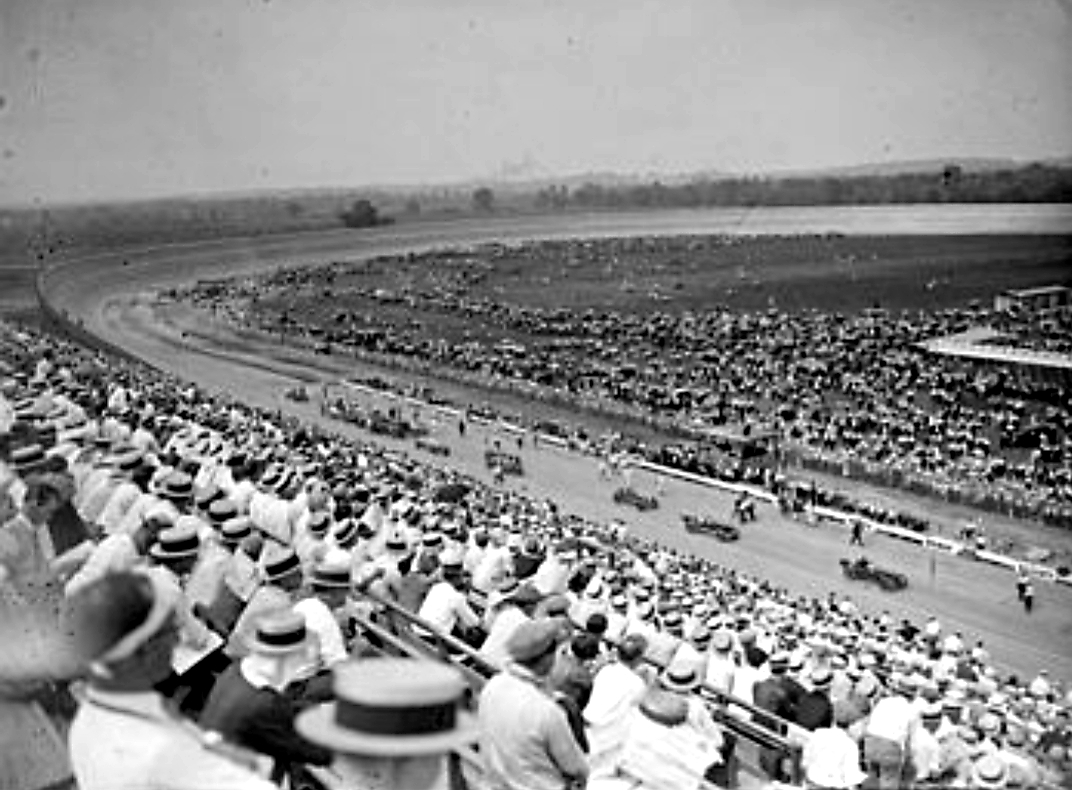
318 725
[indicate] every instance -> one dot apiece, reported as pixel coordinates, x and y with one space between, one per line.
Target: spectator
526 741
123 734
249 704
404 748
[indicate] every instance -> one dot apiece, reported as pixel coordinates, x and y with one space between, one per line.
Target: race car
706 525
861 569
630 496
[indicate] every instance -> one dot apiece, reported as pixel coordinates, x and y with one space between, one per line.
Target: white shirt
129 742
113 554
444 606
320 620
832 759
505 623
892 718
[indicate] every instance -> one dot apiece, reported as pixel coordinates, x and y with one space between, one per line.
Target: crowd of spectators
215 563
854 391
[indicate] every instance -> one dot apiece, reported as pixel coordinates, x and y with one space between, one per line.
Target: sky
103 99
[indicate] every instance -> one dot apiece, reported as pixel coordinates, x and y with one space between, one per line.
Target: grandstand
117 447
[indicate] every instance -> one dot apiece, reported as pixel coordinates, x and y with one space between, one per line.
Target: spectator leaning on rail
525 738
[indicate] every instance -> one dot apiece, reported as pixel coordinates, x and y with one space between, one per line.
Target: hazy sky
105 98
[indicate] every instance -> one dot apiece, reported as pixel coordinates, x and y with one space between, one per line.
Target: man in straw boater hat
526 740
391 724
282 578
325 610
125 734
250 705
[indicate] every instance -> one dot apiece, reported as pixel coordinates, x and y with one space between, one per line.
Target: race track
110 296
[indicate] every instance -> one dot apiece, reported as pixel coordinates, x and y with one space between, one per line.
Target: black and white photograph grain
535 394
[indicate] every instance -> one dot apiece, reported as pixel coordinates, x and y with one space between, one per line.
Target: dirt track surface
979 600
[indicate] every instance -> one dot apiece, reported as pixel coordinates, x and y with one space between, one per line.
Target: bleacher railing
396 629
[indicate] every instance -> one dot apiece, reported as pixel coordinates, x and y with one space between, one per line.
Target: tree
484 200
413 207
362 214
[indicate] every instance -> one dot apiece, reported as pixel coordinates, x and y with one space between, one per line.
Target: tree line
951 184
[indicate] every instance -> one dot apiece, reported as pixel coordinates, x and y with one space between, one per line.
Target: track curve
107 295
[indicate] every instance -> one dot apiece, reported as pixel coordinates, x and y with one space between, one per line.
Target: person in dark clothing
815 711
250 705
857 538
1028 597
774 695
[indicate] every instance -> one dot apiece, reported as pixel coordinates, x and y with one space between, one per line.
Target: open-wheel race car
861 569
507 463
630 496
431 445
706 525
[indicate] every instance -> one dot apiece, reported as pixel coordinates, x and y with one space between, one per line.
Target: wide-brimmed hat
176 543
392 707
283 565
279 632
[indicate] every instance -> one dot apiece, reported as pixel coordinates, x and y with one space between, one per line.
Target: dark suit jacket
815 710
259 719
773 695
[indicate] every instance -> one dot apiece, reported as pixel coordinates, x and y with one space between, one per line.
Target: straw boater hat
392 707
331 575
28 459
319 521
283 565
221 511
664 707
175 486
681 678
235 530
989 771
176 543
279 633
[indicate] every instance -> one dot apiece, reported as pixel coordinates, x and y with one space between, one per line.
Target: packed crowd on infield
195 593
852 391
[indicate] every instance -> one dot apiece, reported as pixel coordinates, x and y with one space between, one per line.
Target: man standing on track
857 538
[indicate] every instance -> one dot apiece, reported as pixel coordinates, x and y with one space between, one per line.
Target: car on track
707 525
630 496
507 463
432 445
861 569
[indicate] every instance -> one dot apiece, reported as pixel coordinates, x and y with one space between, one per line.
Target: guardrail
404 632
